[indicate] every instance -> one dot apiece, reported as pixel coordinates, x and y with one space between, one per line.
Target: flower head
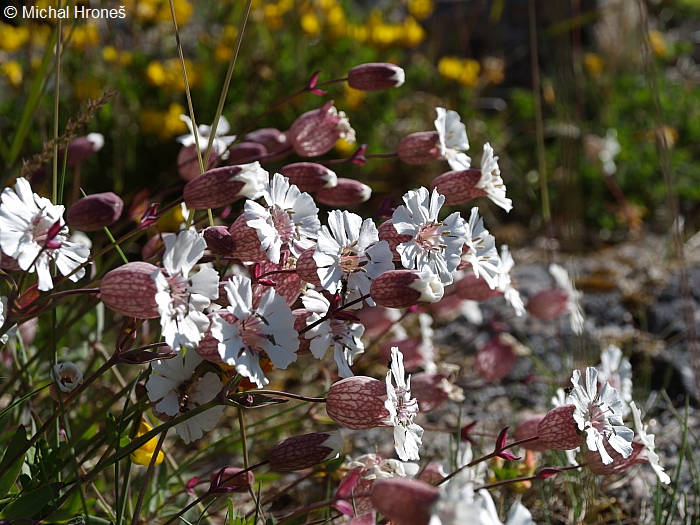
647 440
491 182
599 415
181 299
221 141
480 250
505 283
616 370
316 131
67 376
143 454
402 409
32 231
453 138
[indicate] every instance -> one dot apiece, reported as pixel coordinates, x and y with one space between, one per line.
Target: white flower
181 299
491 181
453 138
648 441
221 142
3 304
289 219
402 409
505 283
25 221
481 251
435 245
255 179
573 297
265 331
599 415
617 371
344 336
349 255
459 506
611 147
67 376
173 389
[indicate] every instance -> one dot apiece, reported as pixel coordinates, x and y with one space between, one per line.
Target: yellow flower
658 43
421 9
310 24
172 125
143 454
155 74
358 33
84 36
593 63
110 54
450 67
183 12
88 89
146 11
470 73
13 38
413 32
344 148
13 71
353 97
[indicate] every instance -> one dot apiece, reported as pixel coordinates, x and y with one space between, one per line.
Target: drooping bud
247 241
558 429
420 148
316 132
430 390
474 288
94 212
376 76
619 464
548 304
81 148
495 358
309 176
357 402
130 290
405 288
274 140
188 162
246 152
404 501
305 451
346 192
528 429
221 186
388 233
219 240
458 187
307 268
231 479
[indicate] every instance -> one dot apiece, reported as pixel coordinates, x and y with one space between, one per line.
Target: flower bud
494 359
219 240
377 320
305 451
81 148
94 212
474 288
458 187
548 304
208 347
246 152
274 140
316 132
376 76
388 233
357 402
66 378
420 148
231 479
307 268
300 316
346 192
405 288
131 291
246 241
619 464
416 354
404 501
221 186
287 283
429 389
528 429
155 246
9 263
188 162
558 429
309 176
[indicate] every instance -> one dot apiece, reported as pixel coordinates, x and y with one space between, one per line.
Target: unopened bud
231 479
316 132
246 152
357 402
305 451
558 429
388 233
404 501
309 176
81 148
346 192
548 304
495 358
528 429
307 268
405 288
474 288
94 212
429 389
131 291
274 140
219 240
221 186
376 76
420 148
458 187
246 241
188 162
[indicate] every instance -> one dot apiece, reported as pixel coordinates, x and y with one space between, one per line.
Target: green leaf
69 510
30 504
18 441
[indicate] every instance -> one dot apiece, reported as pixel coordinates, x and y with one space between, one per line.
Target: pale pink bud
548 304
420 148
131 291
357 402
221 186
81 148
305 451
309 176
219 240
246 152
346 192
429 389
306 267
494 359
94 212
433 472
188 162
388 233
413 350
404 501
447 309
558 429
376 76
316 132
376 320
528 429
274 140
300 317
619 464
405 288
231 479
458 187
474 288
247 241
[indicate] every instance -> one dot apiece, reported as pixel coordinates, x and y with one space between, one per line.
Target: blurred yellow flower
13 38
83 36
223 53
155 74
658 43
88 89
353 97
143 454
310 24
414 33
344 148
358 33
450 67
110 54
183 11
470 73
463 70
168 74
593 63
163 124
421 9
12 70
